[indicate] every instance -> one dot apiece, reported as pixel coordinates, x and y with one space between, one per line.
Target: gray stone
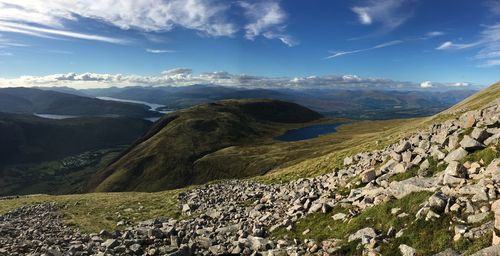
402 147
339 216
447 252
400 189
110 243
456 155
365 232
489 251
368 176
471 144
480 134
438 202
476 218
407 250
456 169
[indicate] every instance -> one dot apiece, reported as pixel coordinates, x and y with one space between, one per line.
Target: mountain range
31 101
348 103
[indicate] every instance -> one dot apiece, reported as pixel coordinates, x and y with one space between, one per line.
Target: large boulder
348 161
489 251
470 144
438 201
400 189
456 169
407 250
495 208
363 233
402 147
368 176
456 155
480 134
469 121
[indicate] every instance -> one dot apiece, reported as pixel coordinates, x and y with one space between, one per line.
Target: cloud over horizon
185 77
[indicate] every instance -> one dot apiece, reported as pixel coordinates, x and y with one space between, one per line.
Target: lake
152 106
60 117
308 132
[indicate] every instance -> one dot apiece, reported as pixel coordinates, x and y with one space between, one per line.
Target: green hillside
30 100
169 155
29 139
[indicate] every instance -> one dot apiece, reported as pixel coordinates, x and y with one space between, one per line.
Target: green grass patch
487 155
412 172
434 167
469 247
427 237
322 226
96 211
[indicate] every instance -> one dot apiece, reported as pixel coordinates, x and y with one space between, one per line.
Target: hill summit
167 155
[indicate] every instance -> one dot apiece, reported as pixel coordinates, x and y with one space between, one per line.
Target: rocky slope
453 166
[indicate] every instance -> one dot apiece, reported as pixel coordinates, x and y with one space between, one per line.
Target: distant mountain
358 104
28 139
166 156
30 100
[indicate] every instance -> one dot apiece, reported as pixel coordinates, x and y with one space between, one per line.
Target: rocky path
237 217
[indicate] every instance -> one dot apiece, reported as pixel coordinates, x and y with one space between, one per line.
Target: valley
434 176
249 127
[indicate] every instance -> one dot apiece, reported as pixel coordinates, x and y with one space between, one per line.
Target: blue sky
85 43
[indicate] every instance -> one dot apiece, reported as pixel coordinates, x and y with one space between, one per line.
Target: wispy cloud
266 18
488 43
379 46
48 32
449 45
4 53
160 51
493 6
434 33
213 18
6 43
388 13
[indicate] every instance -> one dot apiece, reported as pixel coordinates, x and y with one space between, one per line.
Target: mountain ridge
164 157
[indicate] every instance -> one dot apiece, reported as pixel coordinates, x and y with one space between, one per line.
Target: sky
264 43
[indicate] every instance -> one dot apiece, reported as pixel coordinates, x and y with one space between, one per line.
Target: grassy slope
364 135
54 177
367 136
164 158
96 211
27 138
31 100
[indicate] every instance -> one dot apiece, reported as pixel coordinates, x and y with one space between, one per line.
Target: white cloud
49 19
488 42
160 51
47 32
185 76
383 45
435 33
426 84
389 13
460 84
449 45
146 15
266 18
